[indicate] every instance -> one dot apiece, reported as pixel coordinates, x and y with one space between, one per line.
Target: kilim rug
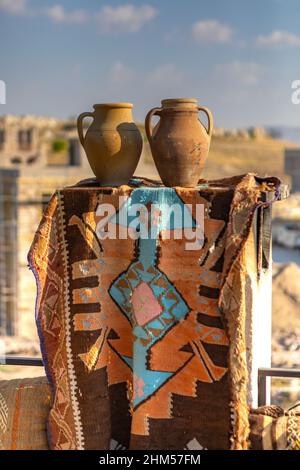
143 339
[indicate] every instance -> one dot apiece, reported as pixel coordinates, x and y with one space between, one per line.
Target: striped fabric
24 408
273 428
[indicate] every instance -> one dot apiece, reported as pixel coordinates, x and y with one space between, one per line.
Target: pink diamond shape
145 305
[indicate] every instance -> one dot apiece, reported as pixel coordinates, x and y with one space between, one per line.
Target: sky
237 57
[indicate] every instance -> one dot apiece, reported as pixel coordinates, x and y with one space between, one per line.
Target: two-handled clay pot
179 142
113 143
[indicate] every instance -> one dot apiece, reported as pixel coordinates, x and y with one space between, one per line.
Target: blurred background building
292 167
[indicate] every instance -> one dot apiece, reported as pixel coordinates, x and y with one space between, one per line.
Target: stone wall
8 252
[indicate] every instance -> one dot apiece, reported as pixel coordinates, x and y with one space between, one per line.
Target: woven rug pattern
143 340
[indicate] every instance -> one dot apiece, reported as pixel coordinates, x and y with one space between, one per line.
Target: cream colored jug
113 143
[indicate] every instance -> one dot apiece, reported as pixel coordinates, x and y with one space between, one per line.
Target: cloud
121 73
14 7
212 31
121 19
166 74
245 73
279 39
125 18
58 14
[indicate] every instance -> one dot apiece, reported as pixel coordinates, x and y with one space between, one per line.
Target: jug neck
110 114
180 104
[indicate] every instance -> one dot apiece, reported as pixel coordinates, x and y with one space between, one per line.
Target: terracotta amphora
113 143
179 142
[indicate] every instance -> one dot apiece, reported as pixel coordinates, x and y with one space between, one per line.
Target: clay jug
179 142
113 143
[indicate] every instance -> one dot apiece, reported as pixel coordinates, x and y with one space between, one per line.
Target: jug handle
80 127
148 128
210 119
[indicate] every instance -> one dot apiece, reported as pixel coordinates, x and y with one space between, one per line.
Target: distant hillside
289 133
233 156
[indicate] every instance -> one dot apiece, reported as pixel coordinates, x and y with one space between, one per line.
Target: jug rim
113 105
171 101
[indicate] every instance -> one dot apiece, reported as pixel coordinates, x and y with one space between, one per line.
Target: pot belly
113 156
180 161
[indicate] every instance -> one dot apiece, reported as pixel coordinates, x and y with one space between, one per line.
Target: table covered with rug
25 405
143 340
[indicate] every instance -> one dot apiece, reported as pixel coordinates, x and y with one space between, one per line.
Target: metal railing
265 372
21 361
